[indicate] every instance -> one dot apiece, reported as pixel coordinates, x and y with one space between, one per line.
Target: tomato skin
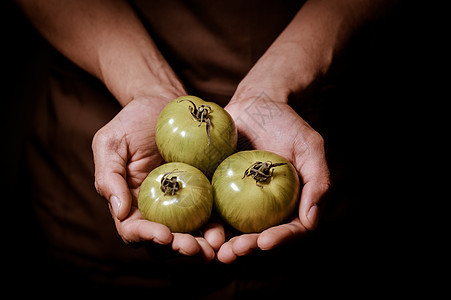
188 209
180 138
247 207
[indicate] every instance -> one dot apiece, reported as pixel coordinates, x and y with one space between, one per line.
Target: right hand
124 153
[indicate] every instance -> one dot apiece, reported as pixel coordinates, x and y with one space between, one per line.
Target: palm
138 130
275 126
272 126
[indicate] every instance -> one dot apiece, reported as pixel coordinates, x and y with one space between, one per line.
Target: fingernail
115 205
312 216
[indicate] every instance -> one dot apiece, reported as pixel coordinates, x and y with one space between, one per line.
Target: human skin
108 40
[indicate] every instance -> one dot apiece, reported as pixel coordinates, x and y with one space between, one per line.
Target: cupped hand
267 122
124 153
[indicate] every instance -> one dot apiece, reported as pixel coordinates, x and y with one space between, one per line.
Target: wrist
284 71
144 82
165 92
131 73
157 80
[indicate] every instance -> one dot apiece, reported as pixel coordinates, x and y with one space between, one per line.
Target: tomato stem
169 186
200 114
261 171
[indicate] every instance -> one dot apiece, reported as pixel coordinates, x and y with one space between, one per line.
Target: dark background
383 136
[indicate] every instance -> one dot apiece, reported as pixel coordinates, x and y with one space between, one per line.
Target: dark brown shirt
211 45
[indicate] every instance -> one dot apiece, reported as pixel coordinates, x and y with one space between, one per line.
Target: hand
267 122
124 153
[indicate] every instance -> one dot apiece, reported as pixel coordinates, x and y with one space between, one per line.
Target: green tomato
195 132
176 195
254 190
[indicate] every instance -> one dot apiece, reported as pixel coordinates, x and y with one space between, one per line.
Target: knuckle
98 184
317 140
123 233
101 137
107 141
324 187
125 238
128 238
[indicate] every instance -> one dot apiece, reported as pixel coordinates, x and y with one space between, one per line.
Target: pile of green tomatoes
250 190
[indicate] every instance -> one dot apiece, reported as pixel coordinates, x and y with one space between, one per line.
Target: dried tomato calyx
170 185
261 171
200 114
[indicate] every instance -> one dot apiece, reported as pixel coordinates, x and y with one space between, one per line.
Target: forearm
107 39
304 51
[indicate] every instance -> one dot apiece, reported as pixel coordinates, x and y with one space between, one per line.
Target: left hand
267 122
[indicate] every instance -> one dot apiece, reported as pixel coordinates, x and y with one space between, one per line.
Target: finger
214 234
110 172
185 244
312 166
245 244
137 230
206 251
311 196
237 246
226 254
281 234
117 193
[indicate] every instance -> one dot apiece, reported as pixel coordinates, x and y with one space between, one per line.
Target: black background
386 128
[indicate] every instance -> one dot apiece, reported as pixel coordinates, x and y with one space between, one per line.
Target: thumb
114 188
311 195
312 166
110 159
